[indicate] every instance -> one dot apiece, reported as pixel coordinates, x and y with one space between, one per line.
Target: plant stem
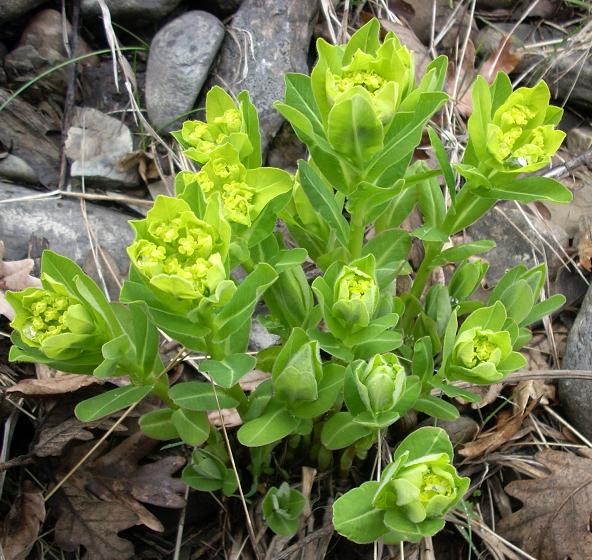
423 272
356 240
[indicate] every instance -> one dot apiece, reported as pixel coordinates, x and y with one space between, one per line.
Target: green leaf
282 508
109 402
192 426
486 318
274 424
390 248
157 424
461 252
198 396
452 391
431 202
384 342
354 129
230 370
239 309
530 189
436 407
424 441
544 308
356 518
251 124
322 198
444 161
404 530
480 117
330 388
422 363
341 431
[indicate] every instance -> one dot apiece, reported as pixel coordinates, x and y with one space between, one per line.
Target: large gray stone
12 9
180 57
576 394
61 222
266 39
134 12
28 134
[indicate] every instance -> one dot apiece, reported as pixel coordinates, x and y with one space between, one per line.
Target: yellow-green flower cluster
205 137
381 73
518 138
46 314
176 251
356 296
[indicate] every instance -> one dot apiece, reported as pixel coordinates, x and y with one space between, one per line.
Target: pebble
180 57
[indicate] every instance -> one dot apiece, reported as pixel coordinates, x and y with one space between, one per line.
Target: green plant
355 353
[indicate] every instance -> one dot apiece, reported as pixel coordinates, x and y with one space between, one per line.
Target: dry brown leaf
555 517
585 243
507 426
21 526
52 386
103 497
54 439
14 275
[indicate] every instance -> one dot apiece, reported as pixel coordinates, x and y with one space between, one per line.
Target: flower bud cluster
45 314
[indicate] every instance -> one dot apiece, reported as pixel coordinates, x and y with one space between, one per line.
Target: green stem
356 240
432 248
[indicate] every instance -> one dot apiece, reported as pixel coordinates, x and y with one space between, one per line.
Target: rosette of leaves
251 198
359 321
414 493
377 393
482 350
510 133
282 508
350 112
208 472
180 268
66 322
301 388
226 123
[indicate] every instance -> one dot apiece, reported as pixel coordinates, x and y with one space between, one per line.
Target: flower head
380 72
177 252
421 489
379 384
479 355
355 296
224 124
518 136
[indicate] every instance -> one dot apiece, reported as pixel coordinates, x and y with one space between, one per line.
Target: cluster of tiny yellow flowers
482 348
181 247
237 196
434 485
512 131
206 137
46 315
358 285
369 80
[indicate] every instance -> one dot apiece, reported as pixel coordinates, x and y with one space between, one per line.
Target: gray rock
12 9
180 57
18 170
517 241
266 39
27 132
576 394
61 222
96 144
135 12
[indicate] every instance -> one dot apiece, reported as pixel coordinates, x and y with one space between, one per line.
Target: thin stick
180 528
567 425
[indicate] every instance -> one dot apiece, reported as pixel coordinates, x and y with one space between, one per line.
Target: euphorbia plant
356 352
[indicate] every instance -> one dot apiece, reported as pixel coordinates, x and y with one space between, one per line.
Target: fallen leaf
585 243
21 526
507 425
53 440
103 496
14 275
554 521
52 386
